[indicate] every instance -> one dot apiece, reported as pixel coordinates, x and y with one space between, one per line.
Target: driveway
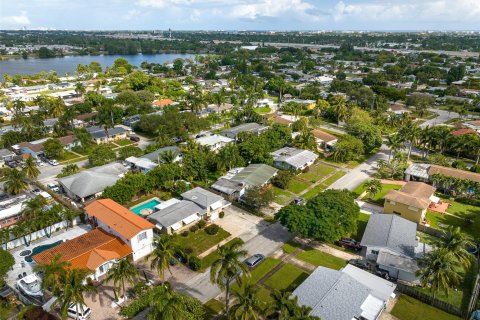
362 172
48 172
241 224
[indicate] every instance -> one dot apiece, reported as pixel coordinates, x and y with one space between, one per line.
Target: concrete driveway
241 224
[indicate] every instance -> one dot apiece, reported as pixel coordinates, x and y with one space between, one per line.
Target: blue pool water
147 205
40 249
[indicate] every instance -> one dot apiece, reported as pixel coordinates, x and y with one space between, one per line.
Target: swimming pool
147 205
40 249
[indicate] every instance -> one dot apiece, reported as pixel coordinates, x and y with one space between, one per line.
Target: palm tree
166 304
68 215
80 88
248 305
73 287
302 312
52 273
394 143
168 156
410 132
283 304
162 254
305 140
31 169
57 107
339 104
439 269
33 207
121 272
228 267
374 186
15 181
456 243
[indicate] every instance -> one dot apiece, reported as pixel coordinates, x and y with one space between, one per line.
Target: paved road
266 242
443 116
49 172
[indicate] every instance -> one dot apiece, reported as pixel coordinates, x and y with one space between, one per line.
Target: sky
241 14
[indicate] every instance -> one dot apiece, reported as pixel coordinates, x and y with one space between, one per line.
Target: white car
54 187
79 311
53 162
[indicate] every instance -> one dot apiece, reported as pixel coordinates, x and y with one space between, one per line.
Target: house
36 148
174 215
251 127
464 131
140 164
276 118
156 156
117 220
5 156
90 183
162 103
398 109
391 242
11 210
289 158
236 181
474 124
325 140
100 136
411 201
425 171
96 251
214 141
350 293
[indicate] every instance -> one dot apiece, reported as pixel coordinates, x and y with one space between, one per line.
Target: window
374 252
142 236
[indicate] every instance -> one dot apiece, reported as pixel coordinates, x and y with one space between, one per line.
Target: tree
421 102
130 151
259 196
162 254
439 270
228 267
31 169
456 243
53 272
70 169
80 88
168 157
101 155
53 148
248 305
348 148
170 305
305 140
394 143
370 134
15 181
339 105
108 115
329 216
6 263
374 186
282 178
121 272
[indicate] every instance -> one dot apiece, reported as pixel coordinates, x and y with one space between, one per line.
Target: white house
215 142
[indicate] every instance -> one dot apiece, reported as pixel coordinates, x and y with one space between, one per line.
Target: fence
474 299
412 292
431 231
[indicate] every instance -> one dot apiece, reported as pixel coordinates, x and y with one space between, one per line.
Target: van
79 312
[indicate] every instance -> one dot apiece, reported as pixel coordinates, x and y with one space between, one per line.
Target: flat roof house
411 201
96 251
117 220
251 127
344 295
391 242
91 182
215 142
289 158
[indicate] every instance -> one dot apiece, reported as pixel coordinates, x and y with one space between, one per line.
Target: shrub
458 164
201 224
193 229
194 263
187 251
475 168
212 229
282 179
221 214
184 233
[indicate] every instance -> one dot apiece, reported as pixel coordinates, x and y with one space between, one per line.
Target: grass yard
290 247
408 308
213 308
282 197
263 269
316 173
200 241
379 197
210 258
68 155
296 185
263 109
461 212
266 297
319 258
362 221
323 186
124 142
287 277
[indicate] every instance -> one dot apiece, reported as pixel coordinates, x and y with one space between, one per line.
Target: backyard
408 308
319 258
379 198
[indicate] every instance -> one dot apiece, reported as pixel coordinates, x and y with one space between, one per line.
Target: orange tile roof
461 132
162 103
117 217
88 251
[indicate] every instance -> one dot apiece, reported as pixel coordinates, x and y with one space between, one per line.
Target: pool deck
146 201
12 276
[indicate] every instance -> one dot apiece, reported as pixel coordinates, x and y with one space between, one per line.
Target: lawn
319 258
322 186
200 241
461 212
124 142
263 269
282 197
316 173
379 197
265 296
210 258
213 307
290 247
68 155
287 277
263 109
362 221
408 308
296 185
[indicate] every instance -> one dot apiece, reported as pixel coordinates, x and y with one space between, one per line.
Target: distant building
251 127
99 135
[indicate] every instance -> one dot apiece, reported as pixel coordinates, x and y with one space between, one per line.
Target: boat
30 285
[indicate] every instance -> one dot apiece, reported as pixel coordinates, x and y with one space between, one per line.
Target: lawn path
317 183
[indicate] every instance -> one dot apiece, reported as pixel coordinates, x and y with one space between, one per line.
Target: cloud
271 8
15 21
132 14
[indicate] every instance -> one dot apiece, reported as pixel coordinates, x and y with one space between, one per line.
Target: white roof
190 219
11 211
381 288
176 226
371 307
212 140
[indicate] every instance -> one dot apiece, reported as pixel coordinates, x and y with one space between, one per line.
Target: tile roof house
464 131
91 182
391 242
115 219
95 251
344 295
162 103
289 158
411 201
325 140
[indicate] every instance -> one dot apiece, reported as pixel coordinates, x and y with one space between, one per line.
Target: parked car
134 138
254 261
54 187
349 244
36 191
299 201
359 263
79 311
383 273
53 162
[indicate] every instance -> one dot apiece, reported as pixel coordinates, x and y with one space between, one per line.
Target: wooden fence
447 307
472 305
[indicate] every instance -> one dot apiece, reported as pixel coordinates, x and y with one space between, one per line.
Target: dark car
349 244
299 201
359 263
134 138
254 261
383 274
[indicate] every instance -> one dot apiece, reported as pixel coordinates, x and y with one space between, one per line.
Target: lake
66 64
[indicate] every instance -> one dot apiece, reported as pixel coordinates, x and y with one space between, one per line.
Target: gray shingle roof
98 132
255 174
176 213
153 156
227 186
293 156
392 232
246 127
201 197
